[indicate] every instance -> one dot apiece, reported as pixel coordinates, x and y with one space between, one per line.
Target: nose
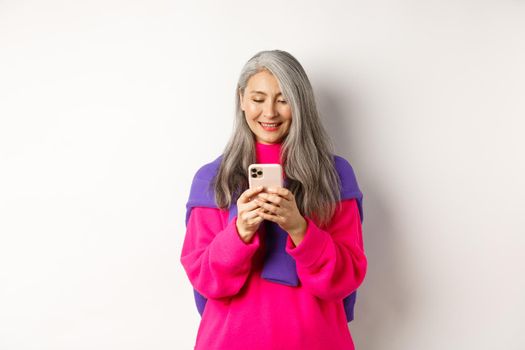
269 109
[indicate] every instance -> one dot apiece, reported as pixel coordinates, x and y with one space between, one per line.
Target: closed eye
260 101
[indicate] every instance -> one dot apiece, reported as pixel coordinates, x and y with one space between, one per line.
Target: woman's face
263 103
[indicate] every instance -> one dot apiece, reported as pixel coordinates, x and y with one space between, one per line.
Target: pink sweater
245 311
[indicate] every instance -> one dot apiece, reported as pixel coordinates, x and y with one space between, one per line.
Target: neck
268 153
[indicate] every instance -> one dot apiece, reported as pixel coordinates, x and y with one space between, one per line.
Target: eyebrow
263 93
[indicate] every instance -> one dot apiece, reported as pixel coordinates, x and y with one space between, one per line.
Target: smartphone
267 175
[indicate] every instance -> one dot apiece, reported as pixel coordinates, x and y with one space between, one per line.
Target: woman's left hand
282 209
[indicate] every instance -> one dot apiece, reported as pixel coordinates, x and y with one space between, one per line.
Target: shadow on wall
383 300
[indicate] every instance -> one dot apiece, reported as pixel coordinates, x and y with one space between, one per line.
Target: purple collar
279 266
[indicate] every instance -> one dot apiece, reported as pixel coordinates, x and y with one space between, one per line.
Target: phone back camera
256 172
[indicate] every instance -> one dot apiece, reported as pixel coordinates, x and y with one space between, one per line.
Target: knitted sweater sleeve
215 258
332 264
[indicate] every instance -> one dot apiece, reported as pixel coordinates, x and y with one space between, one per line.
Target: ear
240 100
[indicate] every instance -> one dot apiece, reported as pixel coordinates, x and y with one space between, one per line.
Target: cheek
251 117
286 112
252 111
287 127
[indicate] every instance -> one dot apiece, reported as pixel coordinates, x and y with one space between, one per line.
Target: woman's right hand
247 219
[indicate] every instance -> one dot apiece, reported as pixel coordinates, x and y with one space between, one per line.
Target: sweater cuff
234 242
311 247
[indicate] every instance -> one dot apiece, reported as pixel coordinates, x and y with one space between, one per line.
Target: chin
266 140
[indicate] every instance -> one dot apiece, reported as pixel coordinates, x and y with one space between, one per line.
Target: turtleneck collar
268 154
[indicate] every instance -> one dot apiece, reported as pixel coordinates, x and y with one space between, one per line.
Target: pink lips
270 128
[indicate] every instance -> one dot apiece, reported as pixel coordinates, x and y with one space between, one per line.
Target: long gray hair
306 151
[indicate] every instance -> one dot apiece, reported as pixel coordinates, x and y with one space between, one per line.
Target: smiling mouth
270 125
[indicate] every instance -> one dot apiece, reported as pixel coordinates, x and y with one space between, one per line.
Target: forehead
264 83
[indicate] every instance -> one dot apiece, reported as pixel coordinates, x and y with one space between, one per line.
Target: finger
267 216
251 205
281 191
273 198
249 215
270 207
255 221
245 197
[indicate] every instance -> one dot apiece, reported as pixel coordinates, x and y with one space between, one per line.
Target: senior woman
275 268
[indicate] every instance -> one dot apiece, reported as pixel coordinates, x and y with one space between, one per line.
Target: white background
109 107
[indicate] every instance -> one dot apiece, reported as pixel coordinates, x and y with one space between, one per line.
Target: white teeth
269 125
